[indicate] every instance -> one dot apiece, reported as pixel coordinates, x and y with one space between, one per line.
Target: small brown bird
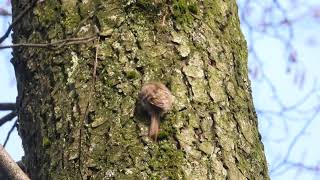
156 99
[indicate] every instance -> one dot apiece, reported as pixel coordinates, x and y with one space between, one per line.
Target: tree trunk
78 111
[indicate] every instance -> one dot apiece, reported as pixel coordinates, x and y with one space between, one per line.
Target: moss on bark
79 127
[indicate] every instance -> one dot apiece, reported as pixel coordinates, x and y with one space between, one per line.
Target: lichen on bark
89 128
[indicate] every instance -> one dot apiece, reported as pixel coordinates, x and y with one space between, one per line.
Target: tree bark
77 104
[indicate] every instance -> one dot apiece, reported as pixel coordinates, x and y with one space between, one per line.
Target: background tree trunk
75 126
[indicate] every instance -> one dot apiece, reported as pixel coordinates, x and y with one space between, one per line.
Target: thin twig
9 133
8 117
56 44
91 92
10 167
7 106
17 19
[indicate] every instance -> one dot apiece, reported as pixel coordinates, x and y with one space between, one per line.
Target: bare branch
9 133
17 19
8 117
7 106
4 12
56 44
10 167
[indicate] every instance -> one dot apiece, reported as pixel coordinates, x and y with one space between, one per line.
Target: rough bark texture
71 130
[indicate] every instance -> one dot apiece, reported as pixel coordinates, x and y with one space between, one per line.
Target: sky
284 72
8 91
